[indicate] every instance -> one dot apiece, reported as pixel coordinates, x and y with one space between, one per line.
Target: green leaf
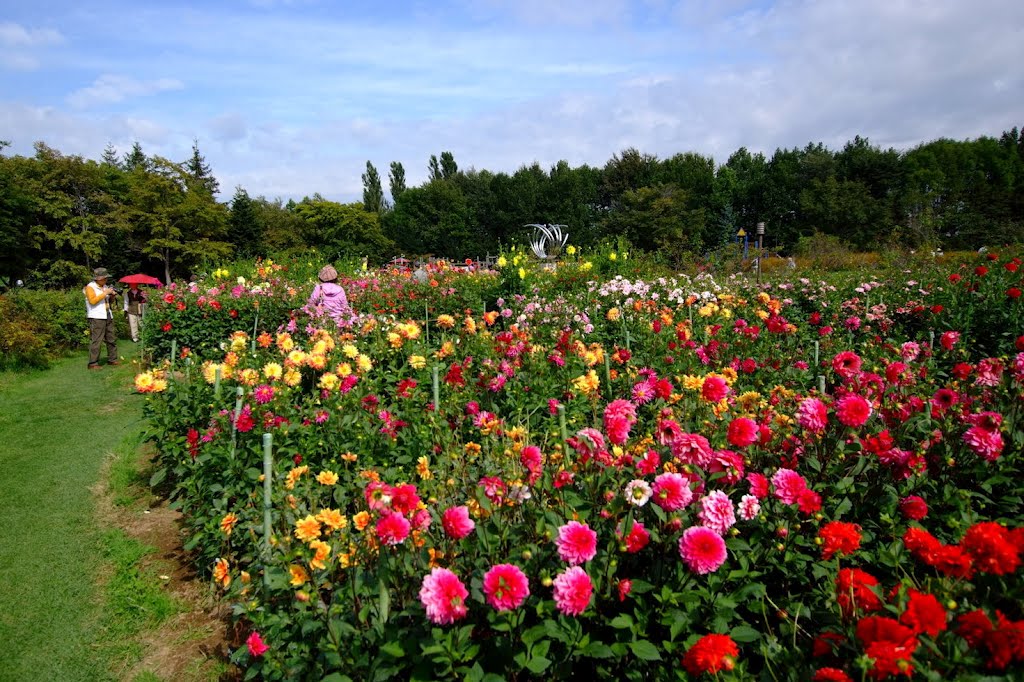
533 634
598 650
622 621
645 650
384 605
538 664
393 649
158 477
641 586
842 508
744 633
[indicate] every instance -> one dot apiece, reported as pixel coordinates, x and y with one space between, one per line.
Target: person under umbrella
135 301
134 308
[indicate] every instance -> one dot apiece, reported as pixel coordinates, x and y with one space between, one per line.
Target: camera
114 291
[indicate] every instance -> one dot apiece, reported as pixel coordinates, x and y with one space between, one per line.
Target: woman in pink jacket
328 298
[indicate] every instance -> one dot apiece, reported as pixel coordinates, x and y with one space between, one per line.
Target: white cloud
18 45
229 127
312 101
113 88
16 35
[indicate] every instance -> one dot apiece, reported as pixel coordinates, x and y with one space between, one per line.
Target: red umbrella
140 279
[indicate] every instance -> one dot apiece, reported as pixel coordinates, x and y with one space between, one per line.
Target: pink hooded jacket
329 298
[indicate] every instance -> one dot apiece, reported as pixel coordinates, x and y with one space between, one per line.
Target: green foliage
36 327
62 215
245 228
343 230
396 180
361 406
373 192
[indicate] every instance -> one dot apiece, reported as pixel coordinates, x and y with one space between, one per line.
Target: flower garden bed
630 479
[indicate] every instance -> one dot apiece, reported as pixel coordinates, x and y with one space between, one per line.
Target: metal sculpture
548 240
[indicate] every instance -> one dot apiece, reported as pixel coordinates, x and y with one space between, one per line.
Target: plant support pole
437 391
234 424
561 424
268 474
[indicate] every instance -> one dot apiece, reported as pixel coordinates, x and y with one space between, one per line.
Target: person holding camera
99 300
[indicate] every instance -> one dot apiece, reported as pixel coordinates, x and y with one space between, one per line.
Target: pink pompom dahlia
702 549
576 542
506 587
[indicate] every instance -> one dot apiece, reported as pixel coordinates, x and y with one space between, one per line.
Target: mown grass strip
56 428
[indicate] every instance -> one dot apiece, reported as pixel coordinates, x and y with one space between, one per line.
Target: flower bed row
644 480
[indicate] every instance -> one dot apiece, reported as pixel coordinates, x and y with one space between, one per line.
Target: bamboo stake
268 475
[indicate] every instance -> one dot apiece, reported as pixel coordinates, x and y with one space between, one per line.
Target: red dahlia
710 654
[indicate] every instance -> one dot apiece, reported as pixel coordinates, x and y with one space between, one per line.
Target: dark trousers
100 331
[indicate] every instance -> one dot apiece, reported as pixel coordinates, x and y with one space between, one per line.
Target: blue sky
287 98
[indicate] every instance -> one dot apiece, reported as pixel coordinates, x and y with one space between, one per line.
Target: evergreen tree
448 166
396 179
245 229
110 156
135 158
373 193
200 170
434 168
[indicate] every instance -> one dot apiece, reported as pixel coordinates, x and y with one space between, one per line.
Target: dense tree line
61 214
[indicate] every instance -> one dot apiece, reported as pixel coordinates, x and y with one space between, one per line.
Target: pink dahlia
619 417
573 589
749 507
531 458
263 394
853 410
393 528
443 596
256 645
716 512
985 443
758 485
742 432
672 491
990 372
576 543
692 448
702 549
506 587
456 522
714 389
728 463
812 415
637 539
846 364
788 485
913 507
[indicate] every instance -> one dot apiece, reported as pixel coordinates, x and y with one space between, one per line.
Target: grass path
56 429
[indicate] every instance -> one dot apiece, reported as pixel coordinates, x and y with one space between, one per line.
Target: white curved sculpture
548 240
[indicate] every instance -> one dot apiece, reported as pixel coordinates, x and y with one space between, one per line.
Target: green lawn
56 428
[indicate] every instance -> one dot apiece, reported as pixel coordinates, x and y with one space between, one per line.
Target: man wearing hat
98 299
329 298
